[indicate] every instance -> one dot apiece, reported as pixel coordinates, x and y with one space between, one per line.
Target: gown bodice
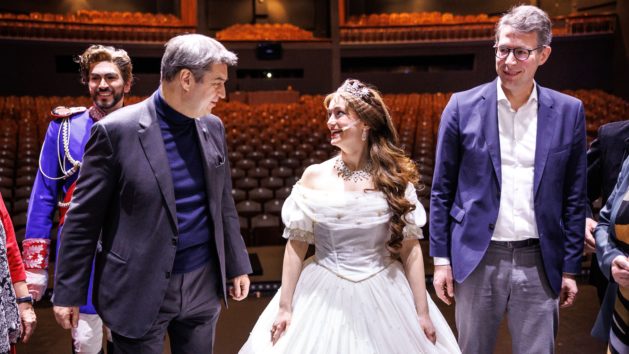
350 230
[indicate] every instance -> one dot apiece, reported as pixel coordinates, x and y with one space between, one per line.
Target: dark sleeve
84 220
595 158
575 197
16 267
236 255
445 179
606 249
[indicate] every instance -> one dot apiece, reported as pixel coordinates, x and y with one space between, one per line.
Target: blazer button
492 226
167 275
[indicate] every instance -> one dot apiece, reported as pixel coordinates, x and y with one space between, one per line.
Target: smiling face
517 75
345 127
205 93
106 86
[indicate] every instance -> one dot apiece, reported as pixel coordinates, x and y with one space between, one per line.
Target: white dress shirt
518 136
517 131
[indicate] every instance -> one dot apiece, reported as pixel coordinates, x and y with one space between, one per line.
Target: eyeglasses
519 53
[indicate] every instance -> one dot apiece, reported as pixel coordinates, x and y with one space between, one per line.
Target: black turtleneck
186 165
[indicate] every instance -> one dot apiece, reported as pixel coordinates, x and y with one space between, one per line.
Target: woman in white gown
364 290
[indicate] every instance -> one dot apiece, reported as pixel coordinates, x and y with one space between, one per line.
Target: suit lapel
488 112
152 142
208 148
547 126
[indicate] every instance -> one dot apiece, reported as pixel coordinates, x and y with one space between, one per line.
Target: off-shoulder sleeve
416 218
298 226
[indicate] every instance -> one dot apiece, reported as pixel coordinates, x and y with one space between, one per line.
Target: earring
364 136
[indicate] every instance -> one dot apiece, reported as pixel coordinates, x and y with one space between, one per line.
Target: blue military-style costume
59 163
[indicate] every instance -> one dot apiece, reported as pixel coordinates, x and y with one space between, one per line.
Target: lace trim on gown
412 232
299 235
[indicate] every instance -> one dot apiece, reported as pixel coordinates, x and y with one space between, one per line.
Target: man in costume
107 73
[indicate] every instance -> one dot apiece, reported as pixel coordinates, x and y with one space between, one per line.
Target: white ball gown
352 297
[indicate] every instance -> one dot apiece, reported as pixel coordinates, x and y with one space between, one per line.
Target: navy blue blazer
125 197
467 181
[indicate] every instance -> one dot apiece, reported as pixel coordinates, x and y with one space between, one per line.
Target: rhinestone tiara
354 88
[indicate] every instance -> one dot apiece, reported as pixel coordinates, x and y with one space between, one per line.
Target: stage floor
236 322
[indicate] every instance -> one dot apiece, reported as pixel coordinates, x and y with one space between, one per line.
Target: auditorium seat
255 155
266 149
237 173
311 161
7 172
20 205
274 206
248 208
245 164
268 163
266 230
290 162
246 183
283 192
244 149
239 195
19 220
290 181
234 156
272 182
260 195
7 162
27 169
258 172
6 194
6 182
299 154
23 192
282 172
278 155
319 154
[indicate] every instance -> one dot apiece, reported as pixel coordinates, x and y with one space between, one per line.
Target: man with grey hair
155 188
507 208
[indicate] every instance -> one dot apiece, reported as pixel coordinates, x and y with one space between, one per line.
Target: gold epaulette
64 112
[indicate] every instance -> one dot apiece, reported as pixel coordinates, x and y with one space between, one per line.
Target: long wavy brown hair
392 170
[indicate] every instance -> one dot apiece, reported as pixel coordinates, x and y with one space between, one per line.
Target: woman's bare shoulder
315 173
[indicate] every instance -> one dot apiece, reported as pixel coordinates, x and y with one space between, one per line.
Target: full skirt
334 315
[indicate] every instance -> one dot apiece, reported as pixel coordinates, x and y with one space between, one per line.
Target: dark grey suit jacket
125 197
605 158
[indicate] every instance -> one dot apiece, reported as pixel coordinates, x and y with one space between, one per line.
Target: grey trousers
512 281
189 314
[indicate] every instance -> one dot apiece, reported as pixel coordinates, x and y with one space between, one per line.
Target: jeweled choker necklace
348 175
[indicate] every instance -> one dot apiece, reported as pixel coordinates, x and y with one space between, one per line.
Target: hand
37 282
568 290
620 271
429 329
240 289
282 321
590 242
29 320
442 281
67 317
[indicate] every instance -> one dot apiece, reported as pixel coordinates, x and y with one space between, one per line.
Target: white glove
37 282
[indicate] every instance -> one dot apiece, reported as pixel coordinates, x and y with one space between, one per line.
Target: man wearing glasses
507 209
